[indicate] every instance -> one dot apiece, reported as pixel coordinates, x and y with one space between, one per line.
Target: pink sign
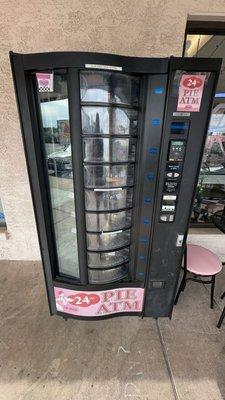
45 81
190 92
97 303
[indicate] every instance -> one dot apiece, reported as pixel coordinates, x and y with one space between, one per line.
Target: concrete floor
124 358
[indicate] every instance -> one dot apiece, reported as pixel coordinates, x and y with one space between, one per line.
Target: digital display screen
177 150
179 127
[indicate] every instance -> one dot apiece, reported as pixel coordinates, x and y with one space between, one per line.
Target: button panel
149 161
173 173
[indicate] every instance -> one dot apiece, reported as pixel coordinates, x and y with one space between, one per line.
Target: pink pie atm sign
190 93
98 303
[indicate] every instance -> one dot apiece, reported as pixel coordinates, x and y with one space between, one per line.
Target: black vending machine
113 147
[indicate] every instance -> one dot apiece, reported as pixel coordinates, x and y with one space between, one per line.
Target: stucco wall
129 27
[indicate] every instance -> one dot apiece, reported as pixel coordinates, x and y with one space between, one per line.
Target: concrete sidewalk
47 358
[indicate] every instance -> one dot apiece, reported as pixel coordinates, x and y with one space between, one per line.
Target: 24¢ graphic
190 92
83 299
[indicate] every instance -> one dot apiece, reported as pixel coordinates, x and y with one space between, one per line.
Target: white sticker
100 66
111 233
169 197
167 208
107 190
181 114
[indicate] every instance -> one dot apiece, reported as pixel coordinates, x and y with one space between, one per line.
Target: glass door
109 126
55 135
109 116
211 183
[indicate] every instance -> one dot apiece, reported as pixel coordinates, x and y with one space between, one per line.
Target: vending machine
113 147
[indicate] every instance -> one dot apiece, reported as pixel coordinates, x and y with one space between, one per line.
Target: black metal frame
75 126
205 27
222 315
202 28
185 279
22 65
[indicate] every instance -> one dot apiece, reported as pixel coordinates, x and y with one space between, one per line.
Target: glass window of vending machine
113 147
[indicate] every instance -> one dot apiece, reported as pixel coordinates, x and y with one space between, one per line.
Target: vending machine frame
157 244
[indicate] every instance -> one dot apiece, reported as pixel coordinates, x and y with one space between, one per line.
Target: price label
190 92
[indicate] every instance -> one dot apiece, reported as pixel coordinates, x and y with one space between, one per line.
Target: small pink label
190 92
45 81
104 302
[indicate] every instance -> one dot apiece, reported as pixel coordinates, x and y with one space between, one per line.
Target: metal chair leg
184 279
181 289
223 295
212 291
221 318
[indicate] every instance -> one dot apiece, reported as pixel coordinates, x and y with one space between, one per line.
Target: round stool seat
201 261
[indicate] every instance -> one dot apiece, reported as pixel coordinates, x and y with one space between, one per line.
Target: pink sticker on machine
98 303
45 81
190 92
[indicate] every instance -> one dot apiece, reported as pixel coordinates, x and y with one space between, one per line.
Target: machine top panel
41 61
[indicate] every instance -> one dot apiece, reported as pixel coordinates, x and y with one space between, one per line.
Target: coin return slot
166 217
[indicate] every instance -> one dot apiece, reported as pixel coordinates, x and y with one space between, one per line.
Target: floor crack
167 362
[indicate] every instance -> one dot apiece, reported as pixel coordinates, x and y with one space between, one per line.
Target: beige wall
129 27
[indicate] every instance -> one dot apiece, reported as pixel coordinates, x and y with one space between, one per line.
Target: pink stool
199 262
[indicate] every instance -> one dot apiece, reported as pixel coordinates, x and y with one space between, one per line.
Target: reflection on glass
109 150
57 142
112 199
108 241
109 121
211 185
109 87
104 222
107 176
108 275
108 259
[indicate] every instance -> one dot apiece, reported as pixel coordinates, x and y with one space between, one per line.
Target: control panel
174 167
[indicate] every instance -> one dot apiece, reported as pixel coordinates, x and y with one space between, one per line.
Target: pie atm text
99 303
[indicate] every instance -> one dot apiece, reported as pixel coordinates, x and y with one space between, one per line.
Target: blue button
141 273
158 90
142 258
155 122
144 239
151 176
152 150
146 221
148 199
